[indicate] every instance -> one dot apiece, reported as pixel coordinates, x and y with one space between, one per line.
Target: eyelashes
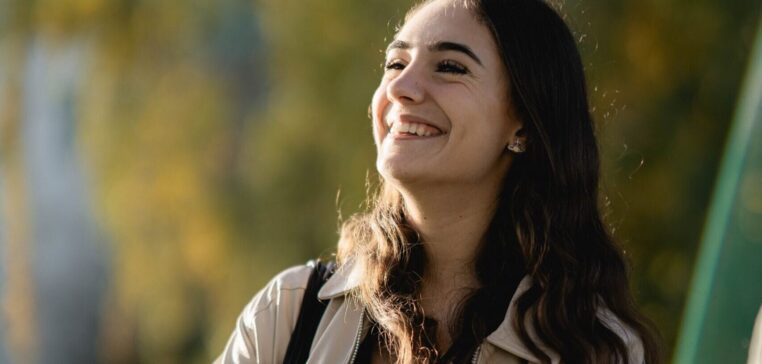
393 65
446 66
449 66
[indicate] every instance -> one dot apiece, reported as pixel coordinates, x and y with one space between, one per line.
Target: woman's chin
400 170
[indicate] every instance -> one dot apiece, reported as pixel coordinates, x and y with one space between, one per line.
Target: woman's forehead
466 4
446 21
442 20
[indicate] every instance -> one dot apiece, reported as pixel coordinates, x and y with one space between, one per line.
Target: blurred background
160 161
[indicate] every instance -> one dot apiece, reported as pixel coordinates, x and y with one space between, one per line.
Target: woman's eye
452 67
394 65
447 66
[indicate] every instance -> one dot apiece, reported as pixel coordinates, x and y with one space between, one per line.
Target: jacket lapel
341 282
505 337
339 335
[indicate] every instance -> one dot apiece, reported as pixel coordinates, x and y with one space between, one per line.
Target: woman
485 243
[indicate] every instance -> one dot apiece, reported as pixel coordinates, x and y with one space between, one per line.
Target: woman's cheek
381 107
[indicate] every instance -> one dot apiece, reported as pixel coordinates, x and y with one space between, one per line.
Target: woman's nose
407 87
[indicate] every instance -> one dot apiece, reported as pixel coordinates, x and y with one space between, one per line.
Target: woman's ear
517 136
517 142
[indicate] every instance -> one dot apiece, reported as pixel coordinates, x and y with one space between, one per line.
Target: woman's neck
452 222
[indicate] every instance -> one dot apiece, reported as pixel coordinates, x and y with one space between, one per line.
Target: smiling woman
485 243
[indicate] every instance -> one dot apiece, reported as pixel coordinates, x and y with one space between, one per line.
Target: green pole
748 110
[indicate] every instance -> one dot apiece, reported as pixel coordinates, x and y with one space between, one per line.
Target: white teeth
411 128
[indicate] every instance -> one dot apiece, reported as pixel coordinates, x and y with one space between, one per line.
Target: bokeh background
160 161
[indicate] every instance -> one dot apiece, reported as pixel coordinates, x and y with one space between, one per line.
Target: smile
413 129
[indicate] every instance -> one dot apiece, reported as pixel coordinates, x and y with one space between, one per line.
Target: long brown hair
547 223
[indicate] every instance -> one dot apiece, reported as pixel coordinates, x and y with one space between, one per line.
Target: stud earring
516 146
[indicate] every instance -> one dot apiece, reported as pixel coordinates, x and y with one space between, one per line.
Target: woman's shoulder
263 328
283 290
291 278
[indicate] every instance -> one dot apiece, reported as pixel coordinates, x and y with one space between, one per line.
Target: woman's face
441 113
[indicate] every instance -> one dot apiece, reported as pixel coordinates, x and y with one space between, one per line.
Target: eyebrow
440 47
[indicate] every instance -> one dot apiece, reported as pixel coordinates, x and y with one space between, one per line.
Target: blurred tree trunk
70 266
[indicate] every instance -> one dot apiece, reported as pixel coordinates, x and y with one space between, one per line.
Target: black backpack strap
309 314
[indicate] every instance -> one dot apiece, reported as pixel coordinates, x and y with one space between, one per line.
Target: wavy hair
547 223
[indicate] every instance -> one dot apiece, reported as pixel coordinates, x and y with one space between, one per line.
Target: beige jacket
264 327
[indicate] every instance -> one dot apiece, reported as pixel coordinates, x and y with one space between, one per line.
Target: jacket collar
345 279
505 337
